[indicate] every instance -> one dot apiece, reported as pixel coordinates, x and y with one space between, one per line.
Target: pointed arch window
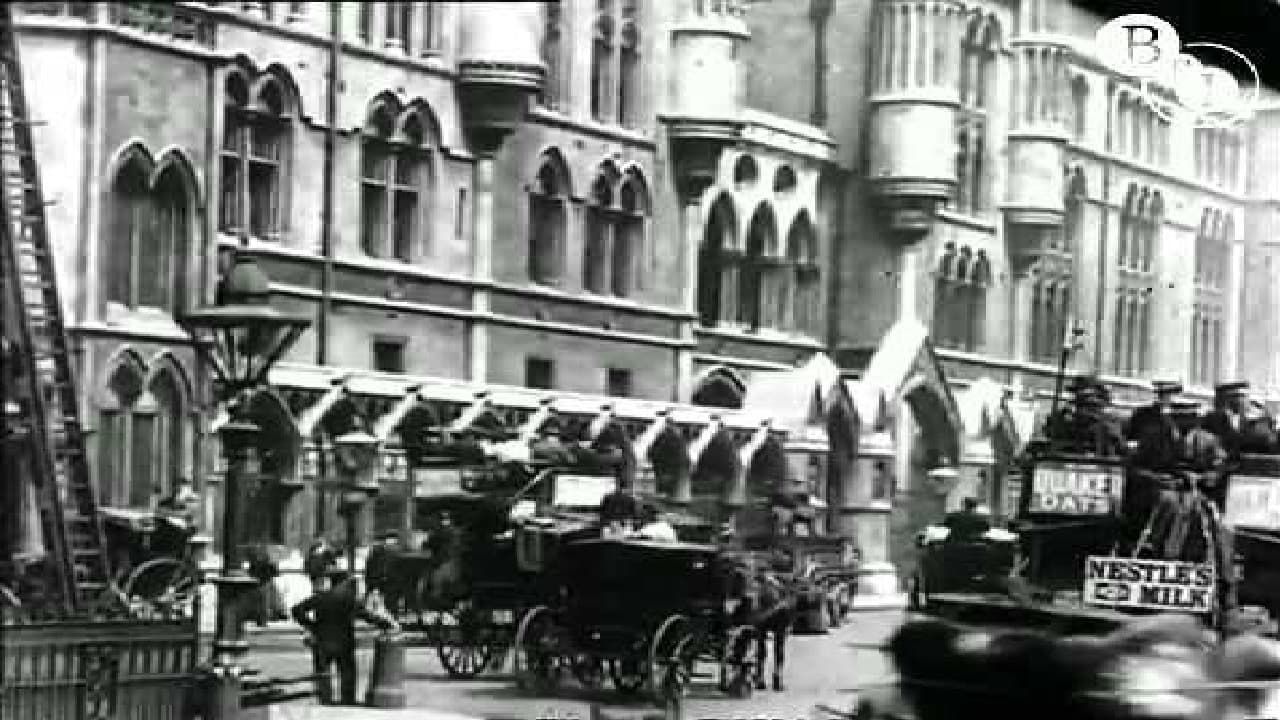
141 449
395 172
755 279
805 288
1141 219
616 62
599 233
253 155
1213 261
629 240
128 236
602 50
718 261
146 243
552 95
548 220
978 53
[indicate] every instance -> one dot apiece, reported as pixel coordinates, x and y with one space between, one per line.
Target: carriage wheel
675 676
467 651
662 650
589 671
738 665
164 586
534 658
628 674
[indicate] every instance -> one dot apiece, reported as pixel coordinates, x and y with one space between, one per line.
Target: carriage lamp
240 337
357 450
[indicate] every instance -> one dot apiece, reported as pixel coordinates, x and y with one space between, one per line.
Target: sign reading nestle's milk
1152 584
1086 489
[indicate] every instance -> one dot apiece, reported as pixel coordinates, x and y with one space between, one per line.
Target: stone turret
914 97
706 88
1037 141
499 68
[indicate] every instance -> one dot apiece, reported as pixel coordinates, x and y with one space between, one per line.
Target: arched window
977 53
754 281
253 155
943 287
395 168
168 440
718 264
173 231
141 435
975 302
629 76
146 244
599 232
602 47
128 238
629 240
548 219
1073 217
1213 254
616 77
553 33
802 252
721 387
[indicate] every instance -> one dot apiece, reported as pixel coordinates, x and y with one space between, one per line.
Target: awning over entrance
905 367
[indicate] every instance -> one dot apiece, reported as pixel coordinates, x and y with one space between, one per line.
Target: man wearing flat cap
1154 429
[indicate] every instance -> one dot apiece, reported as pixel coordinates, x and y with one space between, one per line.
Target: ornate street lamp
356 450
239 338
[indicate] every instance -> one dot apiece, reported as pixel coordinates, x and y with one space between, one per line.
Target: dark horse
768 606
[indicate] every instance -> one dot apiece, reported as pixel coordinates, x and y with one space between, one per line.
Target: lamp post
240 337
357 450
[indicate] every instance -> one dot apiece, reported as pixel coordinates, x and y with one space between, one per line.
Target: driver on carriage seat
967 523
1154 429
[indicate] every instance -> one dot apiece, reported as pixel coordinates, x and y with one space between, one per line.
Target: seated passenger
618 513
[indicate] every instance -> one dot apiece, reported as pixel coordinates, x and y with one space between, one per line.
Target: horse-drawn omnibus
1106 528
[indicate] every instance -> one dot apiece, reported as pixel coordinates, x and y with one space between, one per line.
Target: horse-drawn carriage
1107 525
613 616
153 560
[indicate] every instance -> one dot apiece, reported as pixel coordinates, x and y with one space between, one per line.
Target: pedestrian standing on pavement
329 617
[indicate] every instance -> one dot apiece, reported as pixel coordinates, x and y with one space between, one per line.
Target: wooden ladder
59 465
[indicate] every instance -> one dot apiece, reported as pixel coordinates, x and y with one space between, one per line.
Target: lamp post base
222 686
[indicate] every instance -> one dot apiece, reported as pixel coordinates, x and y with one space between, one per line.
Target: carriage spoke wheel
162 587
628 674
738 665
534 658
663 650
464 649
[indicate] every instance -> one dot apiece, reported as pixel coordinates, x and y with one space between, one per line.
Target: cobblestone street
822 669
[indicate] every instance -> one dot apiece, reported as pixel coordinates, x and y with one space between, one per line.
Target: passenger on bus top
1259 434
1227 419
1154 428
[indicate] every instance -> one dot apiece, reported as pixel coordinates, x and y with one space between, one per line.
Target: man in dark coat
329 618
1154 429
379 570
1083 426
967 523
1227 420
